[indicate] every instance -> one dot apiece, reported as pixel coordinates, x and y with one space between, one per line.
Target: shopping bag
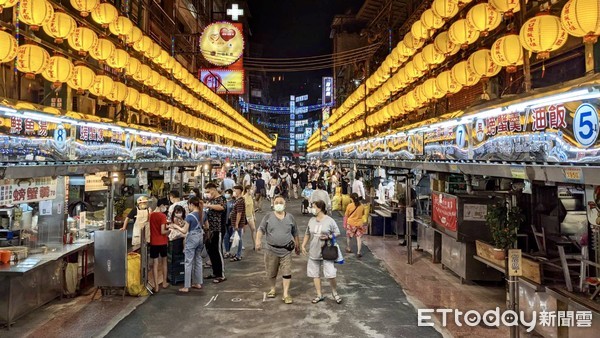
235 241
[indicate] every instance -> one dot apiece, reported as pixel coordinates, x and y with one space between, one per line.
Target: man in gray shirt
282 238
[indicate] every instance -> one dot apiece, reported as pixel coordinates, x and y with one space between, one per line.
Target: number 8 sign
585 125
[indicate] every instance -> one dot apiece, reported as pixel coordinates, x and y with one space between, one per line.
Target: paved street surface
374 305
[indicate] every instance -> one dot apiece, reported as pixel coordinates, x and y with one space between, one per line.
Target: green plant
504 224
120 206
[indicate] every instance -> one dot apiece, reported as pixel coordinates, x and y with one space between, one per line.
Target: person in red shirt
159 241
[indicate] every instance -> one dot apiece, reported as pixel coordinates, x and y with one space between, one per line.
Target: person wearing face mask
193 247
321 195
175 200
281 233
320 228
216 207
230 202
306 194
238 218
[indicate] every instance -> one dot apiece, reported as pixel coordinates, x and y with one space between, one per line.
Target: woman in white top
320 228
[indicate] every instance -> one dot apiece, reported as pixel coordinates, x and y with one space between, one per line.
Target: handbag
329 251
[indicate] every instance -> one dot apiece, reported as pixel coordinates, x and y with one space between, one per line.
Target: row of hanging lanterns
62 26
580 18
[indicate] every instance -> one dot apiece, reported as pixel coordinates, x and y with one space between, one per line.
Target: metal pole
110 218
408 232
526 65
513 295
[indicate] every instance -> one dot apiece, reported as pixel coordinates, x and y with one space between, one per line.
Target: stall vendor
141 216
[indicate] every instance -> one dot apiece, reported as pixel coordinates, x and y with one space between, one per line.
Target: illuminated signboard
222 43
327 90
223 81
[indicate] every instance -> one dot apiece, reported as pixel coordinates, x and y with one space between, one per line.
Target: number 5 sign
585 125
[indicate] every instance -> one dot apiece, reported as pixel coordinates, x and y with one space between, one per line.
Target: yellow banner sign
222 43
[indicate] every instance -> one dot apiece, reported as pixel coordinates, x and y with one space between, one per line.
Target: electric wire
301 69
323 56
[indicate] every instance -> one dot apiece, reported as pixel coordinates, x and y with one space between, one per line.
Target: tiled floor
429 286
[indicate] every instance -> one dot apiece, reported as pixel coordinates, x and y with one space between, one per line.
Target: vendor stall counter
35 281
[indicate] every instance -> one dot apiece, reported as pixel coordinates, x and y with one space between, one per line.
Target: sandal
287 300
235 259
318 299
219 280
348 250
197 286
271 293
211 276
184 290
337 298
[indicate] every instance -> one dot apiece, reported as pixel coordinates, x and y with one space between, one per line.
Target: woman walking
250 217
320 229
193 246
354 224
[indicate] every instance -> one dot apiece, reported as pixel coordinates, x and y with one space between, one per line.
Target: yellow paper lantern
8 47
177 93
169 114
82 79
143 73
444 45
169 87
462 34
446 84
463 75
153 79
35 13
432 56
118 92
431 20
507 52
177 68
404 50
162 83
420 96
412 42
133 66
482 64
162 109
506 7
102 50
431 89
104 14
59 70
445 9
420 63
543 34
419 31
152 106
154 51
102 86
32 59
143 45
143 102
169 64
60 26
118 60
581 18
84 6
132 98
484 18
163 58
134 35
83 40
7 4
412 71
121 27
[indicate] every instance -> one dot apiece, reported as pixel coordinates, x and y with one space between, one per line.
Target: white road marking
236 309
210 301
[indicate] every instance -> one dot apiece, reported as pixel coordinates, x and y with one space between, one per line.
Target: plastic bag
134 276
336 203
340 257
235 241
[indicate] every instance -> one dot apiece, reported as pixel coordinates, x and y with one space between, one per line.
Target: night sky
296 28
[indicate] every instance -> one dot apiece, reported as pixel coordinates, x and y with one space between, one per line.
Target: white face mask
227 196
279 207
179 215
207 195
314 211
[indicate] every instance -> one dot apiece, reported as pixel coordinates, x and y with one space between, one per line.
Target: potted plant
119 210
504 225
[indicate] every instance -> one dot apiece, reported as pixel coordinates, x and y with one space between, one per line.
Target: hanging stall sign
554 133
224 81
33 139
5 192
398 147
222 43
33 190
444 210
183 149
450 143
93 182
151 146
97 142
